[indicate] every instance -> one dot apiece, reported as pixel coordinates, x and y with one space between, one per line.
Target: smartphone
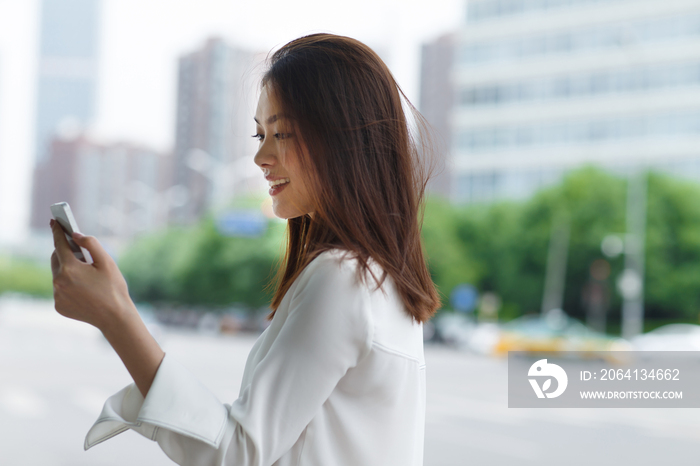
64 216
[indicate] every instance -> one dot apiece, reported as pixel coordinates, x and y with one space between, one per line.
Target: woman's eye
258 136
283 135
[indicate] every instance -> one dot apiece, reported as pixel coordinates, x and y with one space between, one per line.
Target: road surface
55 374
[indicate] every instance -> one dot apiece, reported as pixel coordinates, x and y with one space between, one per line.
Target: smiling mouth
276 189
283 181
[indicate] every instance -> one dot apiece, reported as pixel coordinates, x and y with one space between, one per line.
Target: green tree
501 247
672 275
199 266
450 260
25 276
510 240
508 243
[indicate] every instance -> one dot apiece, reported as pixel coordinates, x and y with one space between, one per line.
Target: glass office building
67 71
545 86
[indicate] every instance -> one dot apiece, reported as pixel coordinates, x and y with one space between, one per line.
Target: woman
338 378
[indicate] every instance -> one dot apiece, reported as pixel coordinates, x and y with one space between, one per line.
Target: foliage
501 247
25 276
672 249
449 259
506 243
200 266
593 204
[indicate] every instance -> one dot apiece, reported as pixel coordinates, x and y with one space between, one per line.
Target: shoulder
332 278
335 261
329 294
339 265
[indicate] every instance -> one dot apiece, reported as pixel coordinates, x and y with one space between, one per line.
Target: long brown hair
365 170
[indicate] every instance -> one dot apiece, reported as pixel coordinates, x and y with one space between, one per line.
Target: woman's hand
97 294
94 293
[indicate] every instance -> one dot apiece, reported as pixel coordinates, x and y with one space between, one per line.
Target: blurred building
215 109
546 86
66 96
115 191
437 99
67 68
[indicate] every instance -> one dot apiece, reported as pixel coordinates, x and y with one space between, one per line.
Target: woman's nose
261 161
263 158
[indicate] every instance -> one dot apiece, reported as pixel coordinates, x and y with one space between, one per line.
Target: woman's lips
275 190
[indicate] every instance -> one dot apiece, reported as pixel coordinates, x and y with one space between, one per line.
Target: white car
672 337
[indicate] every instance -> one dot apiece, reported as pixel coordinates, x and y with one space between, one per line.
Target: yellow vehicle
555 332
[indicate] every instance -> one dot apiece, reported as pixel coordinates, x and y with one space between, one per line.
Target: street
55 374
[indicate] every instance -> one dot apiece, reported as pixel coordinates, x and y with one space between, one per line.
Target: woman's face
278 158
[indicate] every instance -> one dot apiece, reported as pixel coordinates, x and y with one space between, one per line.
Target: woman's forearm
136 347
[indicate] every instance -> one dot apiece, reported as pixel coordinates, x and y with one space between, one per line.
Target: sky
140 43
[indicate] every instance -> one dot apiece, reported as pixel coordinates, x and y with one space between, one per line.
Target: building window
613 35
578 131
585 84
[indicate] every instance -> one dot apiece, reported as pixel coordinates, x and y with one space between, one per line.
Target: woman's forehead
265 104
268 109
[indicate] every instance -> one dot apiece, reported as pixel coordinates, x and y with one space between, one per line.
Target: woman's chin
287 214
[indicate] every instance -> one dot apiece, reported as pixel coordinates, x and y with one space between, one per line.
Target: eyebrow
272 119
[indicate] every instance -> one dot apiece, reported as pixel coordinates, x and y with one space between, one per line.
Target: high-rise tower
66 86
67 72
215 106
437 97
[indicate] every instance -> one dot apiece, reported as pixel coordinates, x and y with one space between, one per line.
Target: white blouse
338 378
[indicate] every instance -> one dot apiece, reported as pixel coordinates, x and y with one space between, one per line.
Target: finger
61 244
55 264
100 256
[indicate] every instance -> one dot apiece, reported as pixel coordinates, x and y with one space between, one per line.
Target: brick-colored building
115 190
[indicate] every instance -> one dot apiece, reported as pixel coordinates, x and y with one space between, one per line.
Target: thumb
98 253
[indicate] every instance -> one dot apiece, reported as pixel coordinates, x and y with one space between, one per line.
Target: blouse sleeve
327 331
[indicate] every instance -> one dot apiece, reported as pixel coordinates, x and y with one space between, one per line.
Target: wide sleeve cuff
190 409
